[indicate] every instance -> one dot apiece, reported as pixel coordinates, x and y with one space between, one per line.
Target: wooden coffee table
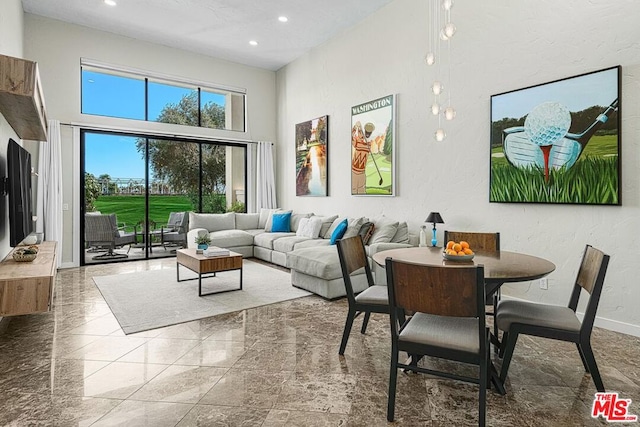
201 264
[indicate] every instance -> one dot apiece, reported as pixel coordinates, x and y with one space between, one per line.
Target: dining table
500 267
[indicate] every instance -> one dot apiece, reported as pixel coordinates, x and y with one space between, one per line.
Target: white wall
11 41
500 46
58 47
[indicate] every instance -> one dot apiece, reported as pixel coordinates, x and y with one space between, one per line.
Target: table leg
178 271
199 284
240 278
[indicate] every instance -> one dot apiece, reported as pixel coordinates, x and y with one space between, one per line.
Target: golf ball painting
547 123
558 142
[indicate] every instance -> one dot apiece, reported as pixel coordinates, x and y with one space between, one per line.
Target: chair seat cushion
549 316
453 333
374 295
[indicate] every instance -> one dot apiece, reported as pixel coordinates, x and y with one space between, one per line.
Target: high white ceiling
218 28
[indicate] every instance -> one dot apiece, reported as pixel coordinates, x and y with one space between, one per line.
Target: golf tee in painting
558 142
372 147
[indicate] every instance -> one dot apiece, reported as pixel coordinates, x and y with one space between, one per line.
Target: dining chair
448 322
557 322
487 242
373 299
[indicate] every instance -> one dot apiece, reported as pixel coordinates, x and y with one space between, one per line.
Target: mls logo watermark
612 408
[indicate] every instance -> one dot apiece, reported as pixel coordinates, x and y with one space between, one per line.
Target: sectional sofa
302 244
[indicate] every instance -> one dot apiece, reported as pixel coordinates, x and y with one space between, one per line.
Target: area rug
154 299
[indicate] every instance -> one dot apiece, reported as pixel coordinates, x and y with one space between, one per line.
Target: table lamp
435 218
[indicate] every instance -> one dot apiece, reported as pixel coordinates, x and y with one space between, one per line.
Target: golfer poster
558 142
372 147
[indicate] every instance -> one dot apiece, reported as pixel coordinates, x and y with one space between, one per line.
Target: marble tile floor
275 365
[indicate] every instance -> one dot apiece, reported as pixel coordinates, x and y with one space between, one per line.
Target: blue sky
116 96
576 94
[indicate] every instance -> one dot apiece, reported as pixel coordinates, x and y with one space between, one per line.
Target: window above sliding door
140 95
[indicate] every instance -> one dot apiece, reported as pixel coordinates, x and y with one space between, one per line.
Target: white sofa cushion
296 218
313 243
287 244
326 223
264 216
318 262
383 231
212 222
354 226
402 234
247 221
231 238
266 240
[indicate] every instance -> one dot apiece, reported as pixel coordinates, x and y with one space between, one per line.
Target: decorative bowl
22 257
457 257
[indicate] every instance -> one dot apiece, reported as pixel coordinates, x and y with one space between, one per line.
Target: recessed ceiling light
283 18
253 43
110 2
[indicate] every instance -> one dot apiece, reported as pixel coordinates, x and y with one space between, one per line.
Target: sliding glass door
138 191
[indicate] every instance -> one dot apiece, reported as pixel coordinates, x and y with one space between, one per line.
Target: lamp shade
435 218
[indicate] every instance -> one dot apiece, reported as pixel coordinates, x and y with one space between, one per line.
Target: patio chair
174 233
102 231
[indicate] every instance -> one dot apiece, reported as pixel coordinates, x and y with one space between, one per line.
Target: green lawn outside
130 209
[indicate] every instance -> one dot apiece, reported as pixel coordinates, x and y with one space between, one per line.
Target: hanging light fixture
441 30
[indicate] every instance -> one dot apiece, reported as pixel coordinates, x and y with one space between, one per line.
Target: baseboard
601 322
67 265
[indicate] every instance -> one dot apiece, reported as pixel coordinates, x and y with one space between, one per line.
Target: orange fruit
456 247
461 253
464 244
451 252
450 244
467 251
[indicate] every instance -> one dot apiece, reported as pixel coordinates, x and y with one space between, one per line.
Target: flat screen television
19 189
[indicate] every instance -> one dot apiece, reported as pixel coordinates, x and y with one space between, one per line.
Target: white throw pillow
326 223
264 216
309 227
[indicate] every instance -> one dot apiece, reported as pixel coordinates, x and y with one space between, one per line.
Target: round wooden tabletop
499 267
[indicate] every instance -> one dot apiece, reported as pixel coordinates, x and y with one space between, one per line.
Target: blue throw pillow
281 223
339 232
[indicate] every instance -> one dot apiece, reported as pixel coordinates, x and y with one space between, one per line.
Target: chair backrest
353 257
437 290
489 242
100 228
178 221
593 269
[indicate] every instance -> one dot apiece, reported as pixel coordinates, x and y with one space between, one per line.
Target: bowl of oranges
457 251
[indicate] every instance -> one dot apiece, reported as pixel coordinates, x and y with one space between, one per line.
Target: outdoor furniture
102 231
174 233
557 322
448 322
374 299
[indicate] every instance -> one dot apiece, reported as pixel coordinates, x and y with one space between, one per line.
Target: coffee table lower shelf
202 265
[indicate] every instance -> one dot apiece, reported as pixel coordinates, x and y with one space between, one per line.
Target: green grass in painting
373 178
130 209
592 180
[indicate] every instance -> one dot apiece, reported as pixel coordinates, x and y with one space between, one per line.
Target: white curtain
266 192
50 188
